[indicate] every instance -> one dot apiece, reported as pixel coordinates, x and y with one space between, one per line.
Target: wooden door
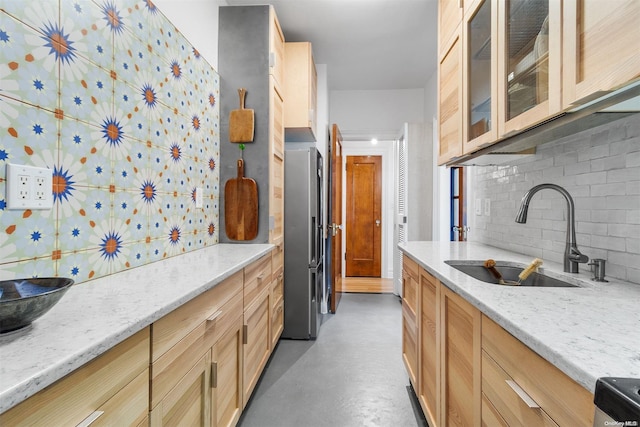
335 220
364 216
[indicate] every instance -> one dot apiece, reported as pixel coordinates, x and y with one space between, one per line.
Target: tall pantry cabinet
251 56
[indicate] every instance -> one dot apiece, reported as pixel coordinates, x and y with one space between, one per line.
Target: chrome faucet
572 256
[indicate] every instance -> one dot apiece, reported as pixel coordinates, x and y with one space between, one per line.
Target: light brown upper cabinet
479 75
529 63
276 48
601 41
300 93
450 102
450 14
520 63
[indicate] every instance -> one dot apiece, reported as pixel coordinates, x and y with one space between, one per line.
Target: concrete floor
352 375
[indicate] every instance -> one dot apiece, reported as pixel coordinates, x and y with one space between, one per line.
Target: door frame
385 149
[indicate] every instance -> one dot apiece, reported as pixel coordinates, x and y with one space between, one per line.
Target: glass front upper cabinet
480 75
529 75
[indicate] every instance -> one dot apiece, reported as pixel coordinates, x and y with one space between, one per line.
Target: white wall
365 114
197 20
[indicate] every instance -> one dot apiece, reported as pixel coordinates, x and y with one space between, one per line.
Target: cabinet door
429 383
276 48
95 387
257 341
300 92
226 377
410 311
461 360
189 402
600 47
276 165
529 63
449 19
450 102
480 75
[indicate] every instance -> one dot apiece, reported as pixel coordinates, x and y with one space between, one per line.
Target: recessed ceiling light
374 141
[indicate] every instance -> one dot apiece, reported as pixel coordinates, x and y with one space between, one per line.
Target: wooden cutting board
241 121
241 206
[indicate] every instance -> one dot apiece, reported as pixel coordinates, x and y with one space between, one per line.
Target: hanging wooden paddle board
241 206
241 122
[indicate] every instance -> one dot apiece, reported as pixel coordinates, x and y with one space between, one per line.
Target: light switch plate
487 207
29 187
478 207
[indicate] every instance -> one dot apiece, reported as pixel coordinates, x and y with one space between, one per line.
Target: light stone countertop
94 316
588 332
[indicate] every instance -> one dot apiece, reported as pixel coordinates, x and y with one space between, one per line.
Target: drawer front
257 277
75 397
223 319
564 400
504 399
410 267
173 327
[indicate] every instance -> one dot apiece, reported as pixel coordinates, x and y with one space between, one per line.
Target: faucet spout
572 256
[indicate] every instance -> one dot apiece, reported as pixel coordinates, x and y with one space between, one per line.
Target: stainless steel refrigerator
303 242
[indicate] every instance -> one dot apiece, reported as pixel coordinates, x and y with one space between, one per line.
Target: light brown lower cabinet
226 377
410 310
429 383
196 366
459 360
189 400
113 389
472 372
524 388
257 342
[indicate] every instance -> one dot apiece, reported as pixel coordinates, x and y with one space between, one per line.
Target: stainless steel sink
510 272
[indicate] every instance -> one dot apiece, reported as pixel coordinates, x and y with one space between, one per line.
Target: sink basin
24 300
509 271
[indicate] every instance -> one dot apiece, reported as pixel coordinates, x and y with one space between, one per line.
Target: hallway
352 375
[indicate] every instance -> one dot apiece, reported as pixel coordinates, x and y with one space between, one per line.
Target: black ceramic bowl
24 300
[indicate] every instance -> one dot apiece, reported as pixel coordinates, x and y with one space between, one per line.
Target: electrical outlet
40 188
478 207
29 187
24 187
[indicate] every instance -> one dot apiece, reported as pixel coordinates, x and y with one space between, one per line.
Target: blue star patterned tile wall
123 109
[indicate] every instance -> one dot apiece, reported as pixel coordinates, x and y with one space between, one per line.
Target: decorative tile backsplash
600 168
112 98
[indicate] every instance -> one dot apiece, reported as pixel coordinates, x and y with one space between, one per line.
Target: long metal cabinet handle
523 394
214 374
90 419
245 333
214 316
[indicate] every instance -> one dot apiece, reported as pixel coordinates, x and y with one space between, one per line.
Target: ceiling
365 44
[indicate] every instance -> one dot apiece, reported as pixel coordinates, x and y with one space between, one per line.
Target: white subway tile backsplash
601 170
